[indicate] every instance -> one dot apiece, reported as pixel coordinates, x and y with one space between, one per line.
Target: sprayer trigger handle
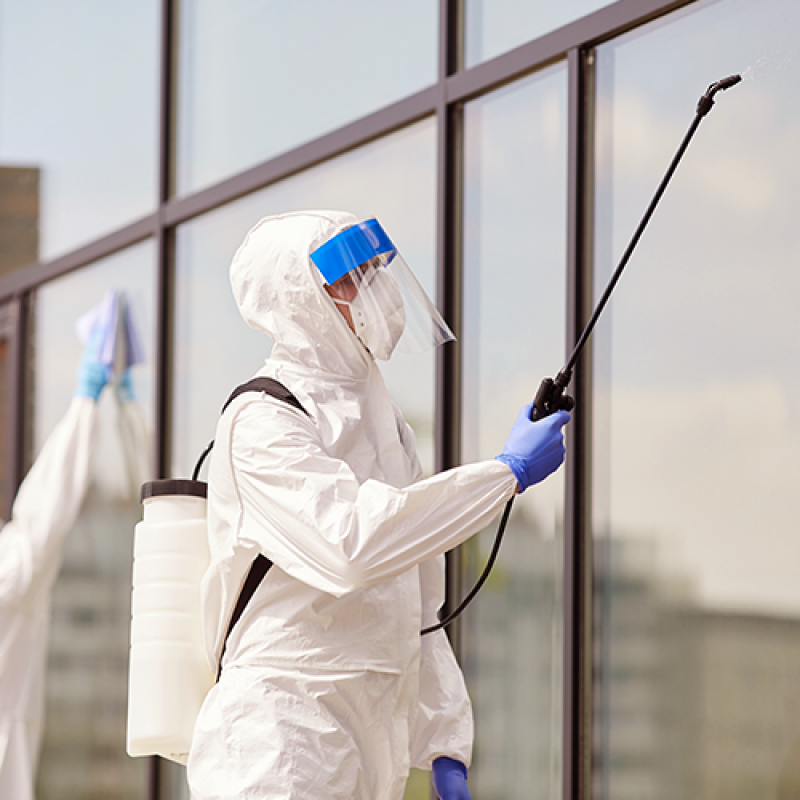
550 398
542 400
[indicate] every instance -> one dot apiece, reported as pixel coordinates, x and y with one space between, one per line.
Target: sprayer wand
550 396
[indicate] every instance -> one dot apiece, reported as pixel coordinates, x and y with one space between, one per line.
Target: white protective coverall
328 691
45 509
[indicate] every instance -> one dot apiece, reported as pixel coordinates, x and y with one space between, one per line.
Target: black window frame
574 44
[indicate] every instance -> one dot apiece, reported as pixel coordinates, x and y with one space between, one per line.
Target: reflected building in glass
639 636
19 217
694 702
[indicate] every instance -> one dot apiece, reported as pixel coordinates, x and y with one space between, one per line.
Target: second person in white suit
328 691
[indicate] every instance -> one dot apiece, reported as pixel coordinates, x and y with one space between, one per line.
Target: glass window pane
78 109
697 411
514 326
83 751
251 73
496 26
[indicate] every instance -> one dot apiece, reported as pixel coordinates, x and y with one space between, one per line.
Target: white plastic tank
169 674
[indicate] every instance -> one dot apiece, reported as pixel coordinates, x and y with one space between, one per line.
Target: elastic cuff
516 467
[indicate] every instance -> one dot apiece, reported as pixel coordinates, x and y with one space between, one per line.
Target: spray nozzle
726 83
705 103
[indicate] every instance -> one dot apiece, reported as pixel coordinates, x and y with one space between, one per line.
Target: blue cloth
535 449
107 326
450 779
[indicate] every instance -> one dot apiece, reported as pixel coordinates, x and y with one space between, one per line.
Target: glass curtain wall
244 64
514 335
83 751
697 423
78 118
696 393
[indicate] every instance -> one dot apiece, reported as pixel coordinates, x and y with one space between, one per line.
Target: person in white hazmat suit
327 689
44 511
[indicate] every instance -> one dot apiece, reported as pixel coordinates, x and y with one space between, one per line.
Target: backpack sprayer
551 396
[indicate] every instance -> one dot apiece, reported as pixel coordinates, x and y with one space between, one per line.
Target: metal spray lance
550 396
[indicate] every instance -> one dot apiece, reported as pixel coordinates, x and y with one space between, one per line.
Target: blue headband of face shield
351 248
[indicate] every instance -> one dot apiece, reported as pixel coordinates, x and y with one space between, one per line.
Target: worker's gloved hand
535 449
450 779
92 375
125 387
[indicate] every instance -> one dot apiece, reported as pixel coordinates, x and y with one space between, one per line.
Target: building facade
639 636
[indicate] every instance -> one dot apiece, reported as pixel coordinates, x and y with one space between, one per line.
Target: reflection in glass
83 752
495 26
19 212
64 69
697 412
392 179
258 78
514 324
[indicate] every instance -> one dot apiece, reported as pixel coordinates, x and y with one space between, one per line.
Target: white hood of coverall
337 502
280 292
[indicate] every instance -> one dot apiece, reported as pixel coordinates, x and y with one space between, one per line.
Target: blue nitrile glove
535 449
125 387
92 375
450 779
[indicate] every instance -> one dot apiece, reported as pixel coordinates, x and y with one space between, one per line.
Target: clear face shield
377 293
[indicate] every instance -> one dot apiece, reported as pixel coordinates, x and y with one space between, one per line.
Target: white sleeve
47 505
309 514
443 725
135 438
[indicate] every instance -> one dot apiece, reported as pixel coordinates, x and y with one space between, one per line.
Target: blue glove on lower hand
92 375
535 449
125 387
450 779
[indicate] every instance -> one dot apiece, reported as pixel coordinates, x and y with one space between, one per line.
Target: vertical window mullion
15 332
577 537
165 236
448 270
164 272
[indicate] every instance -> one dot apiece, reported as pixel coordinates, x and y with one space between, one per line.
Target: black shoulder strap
258 569
268 386
261 564
271 387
